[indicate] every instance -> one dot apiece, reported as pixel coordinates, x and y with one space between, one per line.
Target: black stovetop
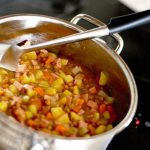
136 54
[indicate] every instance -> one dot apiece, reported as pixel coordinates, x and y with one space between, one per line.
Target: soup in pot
57 95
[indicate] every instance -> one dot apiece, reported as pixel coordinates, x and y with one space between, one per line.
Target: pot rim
130 79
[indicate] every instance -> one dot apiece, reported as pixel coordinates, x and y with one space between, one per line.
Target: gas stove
136 54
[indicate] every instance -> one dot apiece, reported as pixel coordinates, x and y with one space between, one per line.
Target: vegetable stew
57 95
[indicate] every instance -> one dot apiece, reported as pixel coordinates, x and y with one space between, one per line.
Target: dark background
136 54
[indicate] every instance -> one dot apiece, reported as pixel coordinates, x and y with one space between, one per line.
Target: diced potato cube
13 89
76 90
63 101
96 116
76 70
29 114
68 78
76 117
25 98
44 84
72 131
3 106
32 78
103 121
57 112
58 88
100 129
64 62
8 93
64 119
50 91
38 74
25 79
31 55
82 131
109 127
30 92
102 93
106 115
33 109
52 54
62 74
3 71
57 84
79 83
110 100
103 78
87 135
67 93
59 81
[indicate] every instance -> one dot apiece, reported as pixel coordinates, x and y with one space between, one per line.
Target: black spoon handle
121 23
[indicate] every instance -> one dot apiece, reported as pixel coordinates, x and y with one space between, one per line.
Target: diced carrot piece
44 123
60 129
78 105
39 91
37 102
47 75
31 123
49 60
93 90
49 116
80 101
102 108
91 129
77 108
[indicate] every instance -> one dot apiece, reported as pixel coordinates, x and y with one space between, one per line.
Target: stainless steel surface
94 54
12 53
89 34
8 57
97 22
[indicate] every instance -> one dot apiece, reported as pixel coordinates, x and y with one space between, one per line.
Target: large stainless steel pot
95 54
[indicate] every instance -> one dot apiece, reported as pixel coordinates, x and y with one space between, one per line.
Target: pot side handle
97 22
